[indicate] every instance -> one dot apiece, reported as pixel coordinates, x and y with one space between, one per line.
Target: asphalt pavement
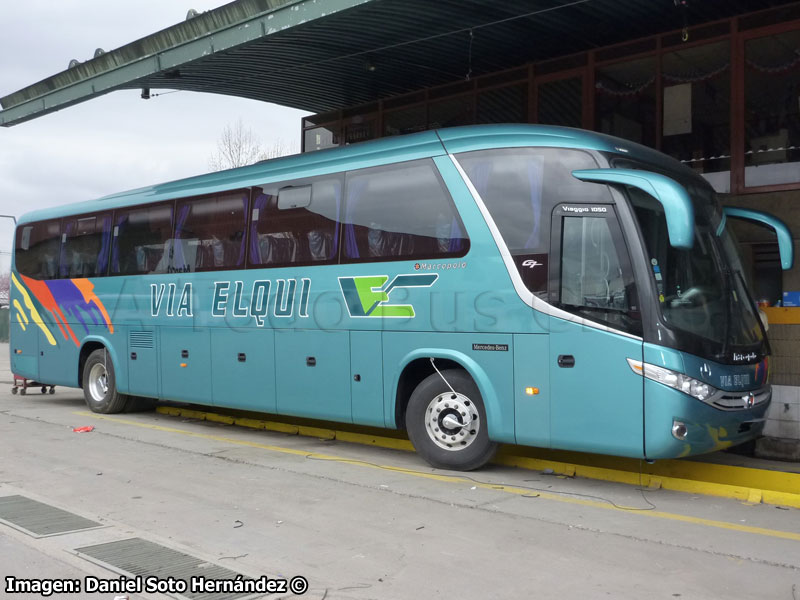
363 522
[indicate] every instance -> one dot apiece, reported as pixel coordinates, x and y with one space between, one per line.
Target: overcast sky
118 141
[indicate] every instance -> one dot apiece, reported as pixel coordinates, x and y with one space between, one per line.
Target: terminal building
713 83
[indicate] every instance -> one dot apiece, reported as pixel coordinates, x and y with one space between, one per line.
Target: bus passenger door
597 400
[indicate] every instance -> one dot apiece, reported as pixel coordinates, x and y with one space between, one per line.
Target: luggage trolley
22 384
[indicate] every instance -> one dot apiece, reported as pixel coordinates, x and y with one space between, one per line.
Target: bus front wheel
99 384
446 422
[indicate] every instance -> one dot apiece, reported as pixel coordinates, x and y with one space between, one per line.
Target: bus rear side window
38 246
400 212
87 246
142 240
210 233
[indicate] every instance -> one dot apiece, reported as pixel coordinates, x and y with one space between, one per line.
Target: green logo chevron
368 296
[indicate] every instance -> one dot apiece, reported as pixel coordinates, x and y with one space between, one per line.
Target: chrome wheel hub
98 382
451 421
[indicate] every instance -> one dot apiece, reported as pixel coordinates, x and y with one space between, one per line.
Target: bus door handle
566 361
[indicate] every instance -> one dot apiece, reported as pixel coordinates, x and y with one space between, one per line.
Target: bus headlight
683 383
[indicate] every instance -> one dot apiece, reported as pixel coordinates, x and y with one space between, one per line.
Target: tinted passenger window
38 247
142 240
296 223
594 279
87 246
591 275
400 211
520 187
209 233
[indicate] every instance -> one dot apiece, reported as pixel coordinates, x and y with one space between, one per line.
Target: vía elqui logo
368 296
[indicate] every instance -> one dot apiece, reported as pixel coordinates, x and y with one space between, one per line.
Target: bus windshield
701 292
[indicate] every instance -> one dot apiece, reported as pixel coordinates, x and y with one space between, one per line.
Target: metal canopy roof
320 55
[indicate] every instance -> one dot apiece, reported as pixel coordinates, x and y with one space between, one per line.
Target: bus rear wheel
99 384
448 426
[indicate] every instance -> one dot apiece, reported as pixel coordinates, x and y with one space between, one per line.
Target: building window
696 124
360 129
503 105
626 100
451 112
321 131
772 109
561 102
319 138
405 120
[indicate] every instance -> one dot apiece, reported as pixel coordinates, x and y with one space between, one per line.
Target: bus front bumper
678 425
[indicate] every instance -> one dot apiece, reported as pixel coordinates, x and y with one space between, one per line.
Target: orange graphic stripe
42 293
86 288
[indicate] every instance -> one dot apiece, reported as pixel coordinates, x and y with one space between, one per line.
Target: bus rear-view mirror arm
785 244
672 196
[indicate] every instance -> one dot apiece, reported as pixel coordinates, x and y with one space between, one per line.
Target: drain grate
38 519
140 558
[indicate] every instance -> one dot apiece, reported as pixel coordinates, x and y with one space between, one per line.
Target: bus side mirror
785 244
672 196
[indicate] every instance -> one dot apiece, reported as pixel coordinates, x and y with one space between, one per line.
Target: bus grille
740 401
140 339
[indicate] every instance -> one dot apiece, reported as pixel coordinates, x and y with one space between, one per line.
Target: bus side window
38 247
209 233
400 212
302 228
87 246
142 240
520 187
594 278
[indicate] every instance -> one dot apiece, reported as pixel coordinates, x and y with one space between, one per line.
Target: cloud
118 141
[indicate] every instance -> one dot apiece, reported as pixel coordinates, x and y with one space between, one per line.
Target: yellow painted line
739 483
775 533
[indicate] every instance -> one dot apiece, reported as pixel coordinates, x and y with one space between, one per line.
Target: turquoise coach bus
522 284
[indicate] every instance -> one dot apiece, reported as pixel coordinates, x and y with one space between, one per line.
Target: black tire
455 448
102 396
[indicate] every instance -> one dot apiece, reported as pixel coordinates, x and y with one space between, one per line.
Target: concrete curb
752 486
